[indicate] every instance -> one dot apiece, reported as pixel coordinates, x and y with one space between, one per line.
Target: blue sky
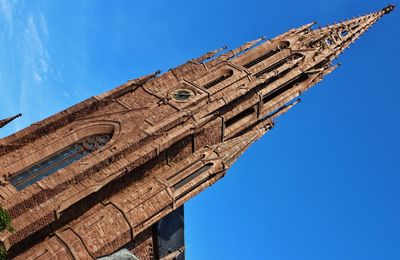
324 184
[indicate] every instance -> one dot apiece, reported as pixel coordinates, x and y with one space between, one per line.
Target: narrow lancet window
58 161
191 177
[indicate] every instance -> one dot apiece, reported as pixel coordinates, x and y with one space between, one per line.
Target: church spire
193 123
8 120
332 40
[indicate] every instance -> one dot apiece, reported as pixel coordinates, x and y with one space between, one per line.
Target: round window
182 94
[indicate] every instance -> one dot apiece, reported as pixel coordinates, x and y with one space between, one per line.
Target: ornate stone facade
153 143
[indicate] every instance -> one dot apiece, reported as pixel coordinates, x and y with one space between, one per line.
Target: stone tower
113 172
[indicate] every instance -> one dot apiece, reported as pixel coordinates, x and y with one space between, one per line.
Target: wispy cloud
26 64
7 12
35 59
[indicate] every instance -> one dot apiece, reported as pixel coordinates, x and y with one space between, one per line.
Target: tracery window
59 160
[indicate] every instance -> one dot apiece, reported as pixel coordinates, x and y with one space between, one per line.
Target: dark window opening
265 56
329 41
279 91
227 74
192 176
239 117
58 161
189 165
197 185
355 27
194 187
317 44
344 33
168 236
336 38
278 64
320 65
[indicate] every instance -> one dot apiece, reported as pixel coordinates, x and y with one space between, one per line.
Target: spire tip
388 8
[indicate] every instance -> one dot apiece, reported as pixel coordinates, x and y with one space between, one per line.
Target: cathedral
108 177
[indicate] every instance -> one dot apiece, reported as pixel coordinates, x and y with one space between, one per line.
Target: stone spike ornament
111 171
8 120
209 55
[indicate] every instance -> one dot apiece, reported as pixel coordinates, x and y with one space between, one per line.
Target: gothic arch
81 142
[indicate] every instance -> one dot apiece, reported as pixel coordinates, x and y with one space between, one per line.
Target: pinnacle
231 149
209 55
8 120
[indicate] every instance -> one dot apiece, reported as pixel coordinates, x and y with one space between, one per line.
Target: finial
388 8
8 120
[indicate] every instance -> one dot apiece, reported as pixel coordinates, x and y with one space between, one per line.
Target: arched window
59 160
